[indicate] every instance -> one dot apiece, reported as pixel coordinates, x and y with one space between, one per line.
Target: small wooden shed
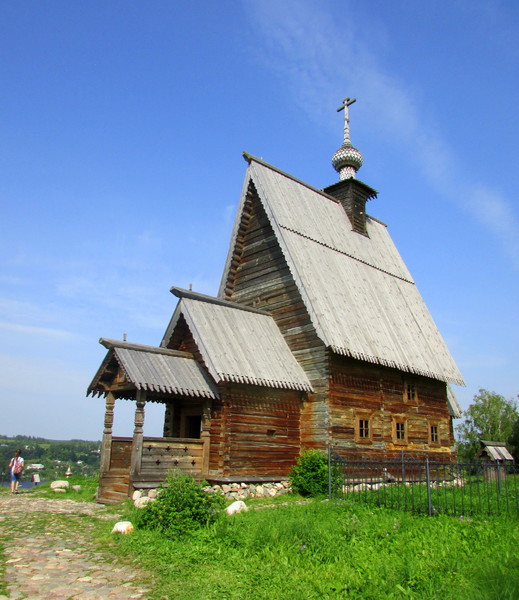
495 458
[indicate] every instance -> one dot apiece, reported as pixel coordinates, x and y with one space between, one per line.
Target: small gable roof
155 370
357 290
238 344
495 450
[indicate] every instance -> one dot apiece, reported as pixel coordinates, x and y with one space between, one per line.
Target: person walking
15 468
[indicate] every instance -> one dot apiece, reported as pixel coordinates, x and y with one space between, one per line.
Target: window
434 437
400 431
410 392
364 429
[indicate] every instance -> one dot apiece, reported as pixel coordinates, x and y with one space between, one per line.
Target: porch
158 457
144 375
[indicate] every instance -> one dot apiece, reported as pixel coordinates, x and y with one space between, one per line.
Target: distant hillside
56 456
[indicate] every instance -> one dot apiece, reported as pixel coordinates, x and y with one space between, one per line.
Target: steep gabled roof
156 370
357 290
238 344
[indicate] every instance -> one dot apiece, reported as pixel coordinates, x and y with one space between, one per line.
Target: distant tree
513 440
489 417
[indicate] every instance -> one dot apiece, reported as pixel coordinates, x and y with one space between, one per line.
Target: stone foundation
230 491
242 491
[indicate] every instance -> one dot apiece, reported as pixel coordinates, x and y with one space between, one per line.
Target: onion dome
347 160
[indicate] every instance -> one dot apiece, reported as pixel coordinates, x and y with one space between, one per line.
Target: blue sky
122 128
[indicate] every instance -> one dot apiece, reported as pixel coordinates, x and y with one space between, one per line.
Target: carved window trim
410 392
400 429
363 427
434 433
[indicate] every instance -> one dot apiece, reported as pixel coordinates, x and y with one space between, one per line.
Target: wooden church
318 338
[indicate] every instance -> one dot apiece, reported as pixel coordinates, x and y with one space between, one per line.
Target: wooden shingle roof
238 344
357 290
156 370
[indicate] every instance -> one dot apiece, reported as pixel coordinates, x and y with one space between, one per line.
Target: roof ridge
111 344
190 295
321 191
249 158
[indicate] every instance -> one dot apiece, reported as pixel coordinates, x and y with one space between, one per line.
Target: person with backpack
16 467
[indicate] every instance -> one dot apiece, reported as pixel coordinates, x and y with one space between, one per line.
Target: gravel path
61 561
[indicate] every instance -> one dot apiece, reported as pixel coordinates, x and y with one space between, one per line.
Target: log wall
259 277
379 395
254 432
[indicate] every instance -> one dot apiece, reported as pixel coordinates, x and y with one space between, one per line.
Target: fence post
329 472
428 477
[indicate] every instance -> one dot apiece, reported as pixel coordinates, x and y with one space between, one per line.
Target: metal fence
426 486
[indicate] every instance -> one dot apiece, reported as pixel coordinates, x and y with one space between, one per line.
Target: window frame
367 417
403 421
433 442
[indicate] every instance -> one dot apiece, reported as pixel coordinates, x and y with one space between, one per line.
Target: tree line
490 417
56 456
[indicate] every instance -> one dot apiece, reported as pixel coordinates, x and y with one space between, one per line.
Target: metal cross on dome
347 102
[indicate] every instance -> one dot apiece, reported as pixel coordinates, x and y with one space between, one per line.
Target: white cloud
30 330
321 61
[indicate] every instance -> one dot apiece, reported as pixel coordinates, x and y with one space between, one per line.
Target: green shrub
309 476
181 506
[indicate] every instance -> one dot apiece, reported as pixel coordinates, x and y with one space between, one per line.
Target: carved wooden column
106 444
136 460
168 420
205 436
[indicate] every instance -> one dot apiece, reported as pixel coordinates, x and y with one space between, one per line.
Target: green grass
476 497
3 583
87 493
323 550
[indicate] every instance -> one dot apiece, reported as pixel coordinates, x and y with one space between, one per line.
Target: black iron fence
427 486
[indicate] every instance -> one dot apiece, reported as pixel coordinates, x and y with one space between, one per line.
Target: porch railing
160 455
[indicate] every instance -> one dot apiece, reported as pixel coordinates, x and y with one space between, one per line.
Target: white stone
123 527
136 495
272 492
236 507
260 491
152 494
77 488
361 486
142 502
60 484
226 488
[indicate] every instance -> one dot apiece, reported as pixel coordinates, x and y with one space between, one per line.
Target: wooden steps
113 487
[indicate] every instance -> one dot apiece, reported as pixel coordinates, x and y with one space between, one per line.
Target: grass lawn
322 550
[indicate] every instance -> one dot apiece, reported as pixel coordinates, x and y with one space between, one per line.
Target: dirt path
59 561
